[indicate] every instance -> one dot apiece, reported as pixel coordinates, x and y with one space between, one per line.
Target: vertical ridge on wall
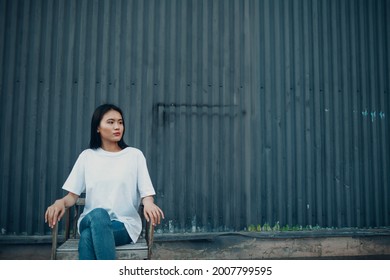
385 88
356 140
250 113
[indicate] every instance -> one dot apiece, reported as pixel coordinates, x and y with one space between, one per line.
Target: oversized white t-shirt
115 181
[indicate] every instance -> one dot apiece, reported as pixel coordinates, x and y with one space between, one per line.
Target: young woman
115 180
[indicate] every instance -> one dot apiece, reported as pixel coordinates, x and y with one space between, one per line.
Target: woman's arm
55 211
151 211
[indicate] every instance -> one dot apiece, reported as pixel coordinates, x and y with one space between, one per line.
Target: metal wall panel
249 112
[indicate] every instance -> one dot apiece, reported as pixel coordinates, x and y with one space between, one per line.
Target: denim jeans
99 236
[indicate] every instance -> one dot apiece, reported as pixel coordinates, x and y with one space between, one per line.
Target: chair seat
69 250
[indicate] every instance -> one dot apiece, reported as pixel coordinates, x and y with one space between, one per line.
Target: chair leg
149 238
54 243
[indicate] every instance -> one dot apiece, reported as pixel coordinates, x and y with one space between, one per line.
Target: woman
115 180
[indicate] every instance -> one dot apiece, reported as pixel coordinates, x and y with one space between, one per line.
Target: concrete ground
239 247
367 244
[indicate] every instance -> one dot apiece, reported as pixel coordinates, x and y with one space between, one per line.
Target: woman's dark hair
95 141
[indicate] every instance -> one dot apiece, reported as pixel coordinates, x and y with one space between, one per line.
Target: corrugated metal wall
249 112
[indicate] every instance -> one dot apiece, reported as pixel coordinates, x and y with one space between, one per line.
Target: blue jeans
99 236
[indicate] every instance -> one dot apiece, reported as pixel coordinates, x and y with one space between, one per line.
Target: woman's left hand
152 212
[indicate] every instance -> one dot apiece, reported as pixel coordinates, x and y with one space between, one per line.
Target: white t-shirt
115 181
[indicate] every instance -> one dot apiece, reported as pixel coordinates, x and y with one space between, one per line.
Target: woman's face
111 127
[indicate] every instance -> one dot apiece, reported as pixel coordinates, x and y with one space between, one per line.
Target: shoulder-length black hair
95 141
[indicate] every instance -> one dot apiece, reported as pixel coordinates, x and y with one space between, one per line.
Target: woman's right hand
55 212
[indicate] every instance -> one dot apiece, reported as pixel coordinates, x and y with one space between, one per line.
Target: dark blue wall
249 112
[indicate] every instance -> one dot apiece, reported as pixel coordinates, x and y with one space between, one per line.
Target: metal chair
68 250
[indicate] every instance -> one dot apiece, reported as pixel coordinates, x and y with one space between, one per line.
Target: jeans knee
100 216
99 213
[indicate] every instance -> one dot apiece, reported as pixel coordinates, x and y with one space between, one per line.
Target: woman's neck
111 147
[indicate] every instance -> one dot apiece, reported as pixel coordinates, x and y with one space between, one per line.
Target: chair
68 250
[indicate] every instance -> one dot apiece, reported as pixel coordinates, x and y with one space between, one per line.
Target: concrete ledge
319 244
239 247
26 239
